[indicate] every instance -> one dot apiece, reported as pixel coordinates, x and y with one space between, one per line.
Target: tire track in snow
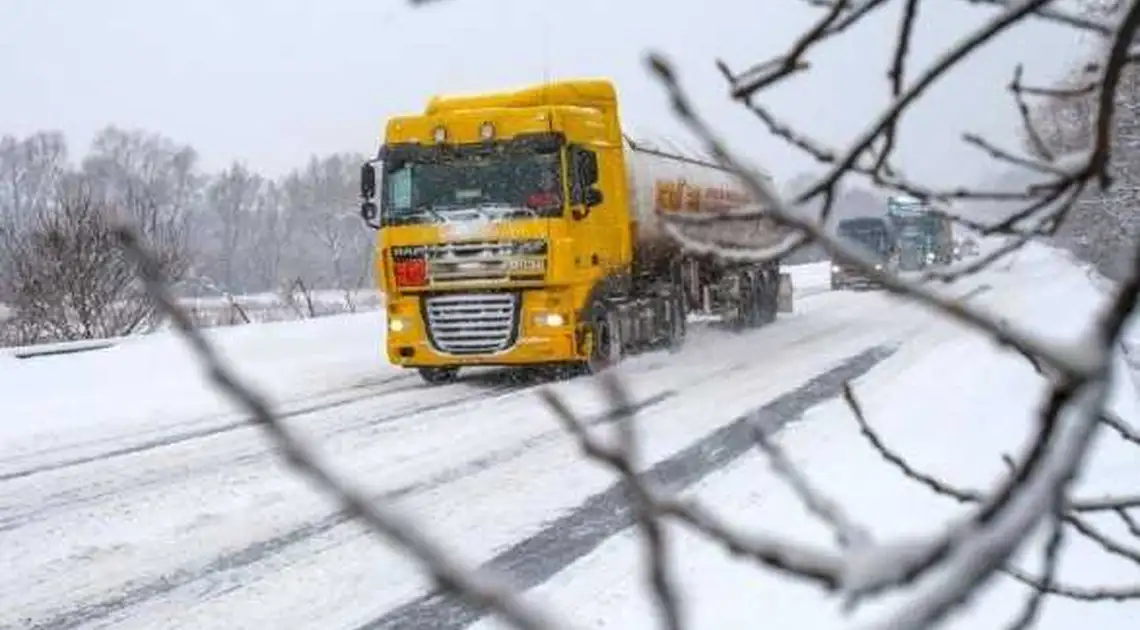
262 550
196 434
11 519
138 594
537 558
494 385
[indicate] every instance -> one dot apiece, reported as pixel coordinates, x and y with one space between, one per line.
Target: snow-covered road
155 518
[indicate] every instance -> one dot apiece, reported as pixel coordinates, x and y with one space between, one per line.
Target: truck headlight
553 320
397 324
835 269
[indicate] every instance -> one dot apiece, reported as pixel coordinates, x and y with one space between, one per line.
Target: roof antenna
545 44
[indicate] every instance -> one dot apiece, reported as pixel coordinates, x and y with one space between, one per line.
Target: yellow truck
524 228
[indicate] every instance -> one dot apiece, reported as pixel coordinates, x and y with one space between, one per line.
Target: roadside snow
952 403
151 383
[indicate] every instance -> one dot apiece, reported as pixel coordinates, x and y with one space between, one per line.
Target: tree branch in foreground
448 575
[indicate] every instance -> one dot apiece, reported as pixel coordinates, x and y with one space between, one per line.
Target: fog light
835 269
553 320
396 325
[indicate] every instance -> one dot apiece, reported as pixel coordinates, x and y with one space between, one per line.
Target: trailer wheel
439 375
677 324
745 302
755 300
767 299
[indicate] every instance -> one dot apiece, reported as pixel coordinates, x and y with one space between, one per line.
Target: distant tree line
217 233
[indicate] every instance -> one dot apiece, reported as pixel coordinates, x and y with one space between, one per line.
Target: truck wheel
439 375
606 343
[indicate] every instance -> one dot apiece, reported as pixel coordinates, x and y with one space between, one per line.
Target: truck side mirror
367 181
369 211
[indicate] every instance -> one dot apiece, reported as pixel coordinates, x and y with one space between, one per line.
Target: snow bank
152 382
949 400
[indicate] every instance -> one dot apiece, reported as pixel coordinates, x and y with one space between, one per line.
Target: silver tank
664 179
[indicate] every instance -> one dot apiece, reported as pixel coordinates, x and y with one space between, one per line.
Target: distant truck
924 238
876 237
524 228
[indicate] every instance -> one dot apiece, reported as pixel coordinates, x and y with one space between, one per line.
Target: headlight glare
553 320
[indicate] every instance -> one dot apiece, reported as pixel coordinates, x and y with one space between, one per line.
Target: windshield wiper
426 207
509 209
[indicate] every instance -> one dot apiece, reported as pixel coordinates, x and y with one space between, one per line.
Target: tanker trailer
664 183
522 228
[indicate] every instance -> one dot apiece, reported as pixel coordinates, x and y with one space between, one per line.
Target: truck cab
875 237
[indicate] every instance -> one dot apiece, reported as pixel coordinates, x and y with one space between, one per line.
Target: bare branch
847 532
621 459
1052 556
450 577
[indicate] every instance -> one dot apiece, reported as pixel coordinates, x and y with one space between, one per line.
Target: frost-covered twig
792 559
621 459
1082 593
450 576
1067 513
848 533
1072 360
1051 555
1059 16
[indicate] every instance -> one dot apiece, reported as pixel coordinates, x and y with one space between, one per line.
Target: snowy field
132 496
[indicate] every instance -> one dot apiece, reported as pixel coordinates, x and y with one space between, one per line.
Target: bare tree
29 171
151 181
321 197
70 281
1103 225
956 559
272 237
232 199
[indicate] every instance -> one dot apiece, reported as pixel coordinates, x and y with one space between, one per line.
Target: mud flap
784 294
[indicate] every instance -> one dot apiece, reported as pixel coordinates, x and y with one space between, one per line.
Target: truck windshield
872 240
496 186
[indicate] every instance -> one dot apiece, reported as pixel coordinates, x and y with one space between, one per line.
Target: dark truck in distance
872 234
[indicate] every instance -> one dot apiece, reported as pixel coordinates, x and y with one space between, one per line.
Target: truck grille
472 323
482 261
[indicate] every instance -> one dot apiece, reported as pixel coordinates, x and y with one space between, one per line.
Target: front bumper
541 331
842 279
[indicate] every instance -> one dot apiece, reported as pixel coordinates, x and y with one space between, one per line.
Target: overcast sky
271 82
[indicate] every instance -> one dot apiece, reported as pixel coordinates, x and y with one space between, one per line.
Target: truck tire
746 303
606 341
439 375
767 298
678 325
760 300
